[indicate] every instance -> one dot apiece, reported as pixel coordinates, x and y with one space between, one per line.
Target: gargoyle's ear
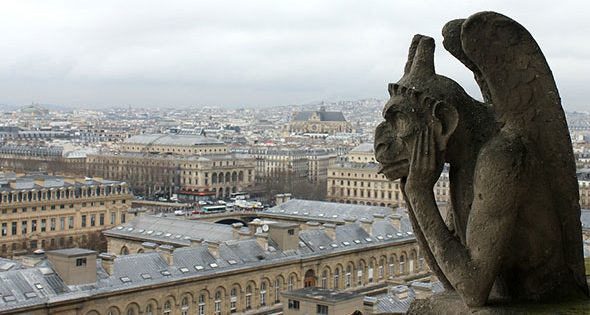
449 118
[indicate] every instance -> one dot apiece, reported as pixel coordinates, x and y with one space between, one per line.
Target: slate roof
139 270
324 211
363 148
27 182
171 230
173 139
323 115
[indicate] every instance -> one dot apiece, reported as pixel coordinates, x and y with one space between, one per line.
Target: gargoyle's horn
412 53
423 63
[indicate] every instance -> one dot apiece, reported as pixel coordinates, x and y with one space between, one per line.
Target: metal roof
171 230
172 139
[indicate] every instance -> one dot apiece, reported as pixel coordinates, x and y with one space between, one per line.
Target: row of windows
56 224
266 292
51 243
58 194
62 206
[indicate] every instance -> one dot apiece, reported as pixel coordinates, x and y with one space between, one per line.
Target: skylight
9 298
334 245
30 295
38 286
183 270
345 243
368 239
232 262
125 279
357 241
213 265
380 237
165 273
321 247
150 232
199 267
146 276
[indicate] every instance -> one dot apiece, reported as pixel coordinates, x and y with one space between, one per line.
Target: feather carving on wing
516 80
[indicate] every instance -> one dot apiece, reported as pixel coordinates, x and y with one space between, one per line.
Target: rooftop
326 295
322 115
171 230
172 139
72 252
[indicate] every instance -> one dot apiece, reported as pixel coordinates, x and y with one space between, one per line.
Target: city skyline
260 53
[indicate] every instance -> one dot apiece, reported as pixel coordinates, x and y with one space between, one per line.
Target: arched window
277 291
218 303
202 304
263 293
336 278
381 268
124 250
167 310
325 279
359 274
131 311
291 283
248 297
233 299
149 310
402 261
184 307
391 266
348 278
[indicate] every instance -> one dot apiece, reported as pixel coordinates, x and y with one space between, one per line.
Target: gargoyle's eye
399 122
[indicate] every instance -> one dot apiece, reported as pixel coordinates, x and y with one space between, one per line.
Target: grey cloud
149 53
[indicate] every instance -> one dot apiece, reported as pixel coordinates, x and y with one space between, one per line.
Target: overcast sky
250 53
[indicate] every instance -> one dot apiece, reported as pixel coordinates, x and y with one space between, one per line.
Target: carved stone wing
515 77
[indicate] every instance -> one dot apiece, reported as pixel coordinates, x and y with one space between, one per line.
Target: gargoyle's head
419 99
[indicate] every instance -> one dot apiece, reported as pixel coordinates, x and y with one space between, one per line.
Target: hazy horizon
83 54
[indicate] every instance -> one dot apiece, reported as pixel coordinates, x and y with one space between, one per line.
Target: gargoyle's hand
425 165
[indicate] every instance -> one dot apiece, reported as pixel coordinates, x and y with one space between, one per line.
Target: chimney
213 248
74 265
349 220
282 198
196 241
242 235
254 225
149 247
167 252
262 240
330 230
107 262
367 225
396 221
378 216
310 225
236 230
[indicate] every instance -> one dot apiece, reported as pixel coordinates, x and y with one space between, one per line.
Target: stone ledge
449 303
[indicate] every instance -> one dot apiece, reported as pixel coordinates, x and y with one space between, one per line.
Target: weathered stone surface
515 230
451 304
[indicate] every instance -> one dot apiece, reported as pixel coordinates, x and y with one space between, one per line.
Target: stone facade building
319 122
47 212
242 276
166 164
356 180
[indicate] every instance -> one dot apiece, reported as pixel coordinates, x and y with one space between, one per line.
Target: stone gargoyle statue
514 233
